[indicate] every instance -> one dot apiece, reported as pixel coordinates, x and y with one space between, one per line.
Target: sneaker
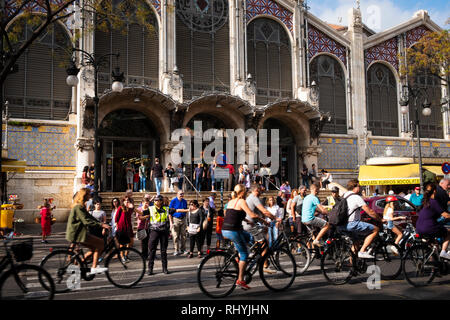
242 285
394 250
98 270
269 270
123 260
176 253
317 243
365 255
445 255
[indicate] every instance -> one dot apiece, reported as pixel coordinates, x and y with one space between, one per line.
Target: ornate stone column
308 156
359 116
171 82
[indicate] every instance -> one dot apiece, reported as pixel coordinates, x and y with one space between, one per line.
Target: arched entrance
125 136
287 153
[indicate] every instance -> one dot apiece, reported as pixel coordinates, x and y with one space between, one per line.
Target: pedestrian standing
180 175
129 173
212 170
219 223
198 176
85 176
136 180
46 220
157 175
275 210
142 177
160 224
195 218
124 226
169 174
115 204
416 198
305 176
143 217
179 209
209 213
92 171
286 188
313 174
229 182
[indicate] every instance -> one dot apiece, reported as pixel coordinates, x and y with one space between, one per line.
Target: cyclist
237 212
255 205
388 217
427 223
78 226
311 204
355 203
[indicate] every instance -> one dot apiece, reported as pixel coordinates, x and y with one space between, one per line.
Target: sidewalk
34 229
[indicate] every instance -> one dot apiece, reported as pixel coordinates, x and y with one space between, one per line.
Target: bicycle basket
22 250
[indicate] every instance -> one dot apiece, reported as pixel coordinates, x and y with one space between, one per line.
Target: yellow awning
9 165
389 175
437 170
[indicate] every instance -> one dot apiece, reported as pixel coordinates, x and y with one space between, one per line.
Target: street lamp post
89 59
414 93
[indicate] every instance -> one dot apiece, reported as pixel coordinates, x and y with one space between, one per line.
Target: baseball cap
417 188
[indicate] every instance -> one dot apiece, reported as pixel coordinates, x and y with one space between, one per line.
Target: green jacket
78 224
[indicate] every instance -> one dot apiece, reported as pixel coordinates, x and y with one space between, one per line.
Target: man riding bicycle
78 226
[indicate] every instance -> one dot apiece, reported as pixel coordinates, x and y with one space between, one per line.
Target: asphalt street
182 283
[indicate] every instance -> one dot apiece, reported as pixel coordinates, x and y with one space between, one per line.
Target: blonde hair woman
78 226
388 217
232 229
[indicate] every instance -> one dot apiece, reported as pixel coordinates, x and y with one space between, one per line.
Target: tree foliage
430 53
39 15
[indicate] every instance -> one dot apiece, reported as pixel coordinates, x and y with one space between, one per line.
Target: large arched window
138 46
382 102
330 78
203 50
431 126
39 90
269 60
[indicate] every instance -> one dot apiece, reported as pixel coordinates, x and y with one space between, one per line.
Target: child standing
219 223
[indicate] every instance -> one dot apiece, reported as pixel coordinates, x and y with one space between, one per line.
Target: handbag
141 234
37 220
193 228
174 180
205 224
53 220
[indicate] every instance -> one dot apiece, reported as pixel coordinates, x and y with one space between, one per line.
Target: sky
380 15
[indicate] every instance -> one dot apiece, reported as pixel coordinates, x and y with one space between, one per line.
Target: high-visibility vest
156 217
331 201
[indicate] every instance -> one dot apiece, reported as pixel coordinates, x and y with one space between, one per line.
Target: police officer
160 222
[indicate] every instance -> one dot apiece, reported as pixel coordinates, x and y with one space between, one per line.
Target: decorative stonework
386 51
338 153
271 8
414 35
157 5
319 42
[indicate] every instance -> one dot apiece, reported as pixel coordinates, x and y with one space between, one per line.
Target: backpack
338 216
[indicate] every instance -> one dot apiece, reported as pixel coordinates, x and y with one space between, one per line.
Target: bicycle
297 247
217 272
409 236
63 264
23 281
422 263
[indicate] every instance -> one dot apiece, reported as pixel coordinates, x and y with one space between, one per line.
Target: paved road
181 283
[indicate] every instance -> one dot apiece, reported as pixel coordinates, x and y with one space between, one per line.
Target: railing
196 191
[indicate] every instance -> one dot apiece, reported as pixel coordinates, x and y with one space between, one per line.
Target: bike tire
336 263
301 254
213 270
26 282
128 274
284 268
390 264
420 265
58 266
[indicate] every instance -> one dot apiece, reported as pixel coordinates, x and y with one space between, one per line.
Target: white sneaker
98 270
445 255
317 243
176 253
365 255
394 250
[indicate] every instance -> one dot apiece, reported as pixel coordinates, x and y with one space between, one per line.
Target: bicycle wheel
301 254
420 265
217 274
26 282
64 268
125 274
280 270
336 263
390 263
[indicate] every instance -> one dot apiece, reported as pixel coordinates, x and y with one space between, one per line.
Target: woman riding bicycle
232 229
78 226
427 223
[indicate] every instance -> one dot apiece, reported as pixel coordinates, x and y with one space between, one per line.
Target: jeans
158 182
273 233
198 184
240 240
142 181
180 183
305 182
135 186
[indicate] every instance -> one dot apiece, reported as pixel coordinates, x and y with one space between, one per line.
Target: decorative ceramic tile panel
269 7
414 35
338 153
386 51
157 5
319 42
377 148
43 146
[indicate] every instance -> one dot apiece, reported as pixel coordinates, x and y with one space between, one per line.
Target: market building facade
333 92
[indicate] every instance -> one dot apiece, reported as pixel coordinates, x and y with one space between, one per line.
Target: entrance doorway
287 155
126 136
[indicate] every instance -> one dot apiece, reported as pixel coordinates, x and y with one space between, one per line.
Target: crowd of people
243 217
143 177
